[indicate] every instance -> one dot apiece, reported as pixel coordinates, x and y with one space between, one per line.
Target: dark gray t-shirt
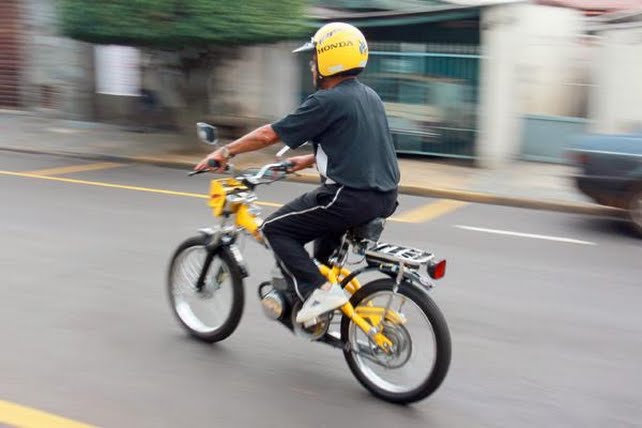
348 127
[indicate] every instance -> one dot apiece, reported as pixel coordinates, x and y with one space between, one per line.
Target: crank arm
333 341
364 348
366 351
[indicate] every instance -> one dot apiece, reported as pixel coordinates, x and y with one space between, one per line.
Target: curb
434 192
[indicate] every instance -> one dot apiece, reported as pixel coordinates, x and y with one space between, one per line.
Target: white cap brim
309 46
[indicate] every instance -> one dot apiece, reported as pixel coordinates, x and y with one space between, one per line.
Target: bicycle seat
370 231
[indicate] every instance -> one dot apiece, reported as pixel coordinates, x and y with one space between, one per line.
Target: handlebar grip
212 163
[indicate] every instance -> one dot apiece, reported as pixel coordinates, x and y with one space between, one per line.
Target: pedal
310 323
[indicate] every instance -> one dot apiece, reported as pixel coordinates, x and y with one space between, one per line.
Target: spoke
413 357
204 311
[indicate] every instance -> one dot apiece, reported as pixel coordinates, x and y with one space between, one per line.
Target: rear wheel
213 313
420 355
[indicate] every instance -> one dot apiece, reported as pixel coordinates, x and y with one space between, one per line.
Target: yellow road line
403 218
118 186
25 417
101 184
75 168
430 211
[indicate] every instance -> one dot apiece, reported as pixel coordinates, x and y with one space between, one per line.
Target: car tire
634 210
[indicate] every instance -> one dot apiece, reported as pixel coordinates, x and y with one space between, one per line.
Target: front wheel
214 312
420 355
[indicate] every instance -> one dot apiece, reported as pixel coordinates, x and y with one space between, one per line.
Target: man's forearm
255 140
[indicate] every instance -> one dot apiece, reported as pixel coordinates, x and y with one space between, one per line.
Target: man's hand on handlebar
215 161
300 162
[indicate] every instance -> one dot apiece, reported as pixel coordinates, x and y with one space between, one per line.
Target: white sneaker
321 301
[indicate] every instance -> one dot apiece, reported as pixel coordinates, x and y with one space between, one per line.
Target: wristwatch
225 151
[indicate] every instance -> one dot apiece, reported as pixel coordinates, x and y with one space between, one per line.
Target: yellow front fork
362 314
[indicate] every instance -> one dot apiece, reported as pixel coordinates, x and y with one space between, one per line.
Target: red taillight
437 270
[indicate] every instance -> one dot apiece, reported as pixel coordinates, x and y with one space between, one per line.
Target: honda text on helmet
339 48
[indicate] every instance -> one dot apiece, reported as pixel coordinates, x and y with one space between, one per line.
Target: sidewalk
521 184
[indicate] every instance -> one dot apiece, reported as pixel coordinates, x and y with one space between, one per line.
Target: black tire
228 326
634 210
441 337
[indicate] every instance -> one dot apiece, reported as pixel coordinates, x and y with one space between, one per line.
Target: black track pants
322 215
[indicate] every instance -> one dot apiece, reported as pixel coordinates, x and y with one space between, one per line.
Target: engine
274 303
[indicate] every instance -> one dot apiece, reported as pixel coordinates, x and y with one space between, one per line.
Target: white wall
55 64
498 93
259 83
550 61
263 82
616 101
528 55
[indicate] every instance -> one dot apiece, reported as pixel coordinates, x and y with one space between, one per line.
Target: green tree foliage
168 24
374 5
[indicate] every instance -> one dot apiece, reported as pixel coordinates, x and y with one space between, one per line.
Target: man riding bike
353 150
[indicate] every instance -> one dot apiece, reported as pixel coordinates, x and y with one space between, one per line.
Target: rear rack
387 253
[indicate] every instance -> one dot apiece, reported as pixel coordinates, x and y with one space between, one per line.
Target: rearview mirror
207 133
281 152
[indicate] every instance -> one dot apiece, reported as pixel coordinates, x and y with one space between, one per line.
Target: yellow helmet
339 47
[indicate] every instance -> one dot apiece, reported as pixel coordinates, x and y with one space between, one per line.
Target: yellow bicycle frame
368 318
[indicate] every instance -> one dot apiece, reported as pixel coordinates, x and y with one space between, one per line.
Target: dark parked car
611 171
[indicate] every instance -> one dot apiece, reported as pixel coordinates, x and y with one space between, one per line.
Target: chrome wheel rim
414 362
202 311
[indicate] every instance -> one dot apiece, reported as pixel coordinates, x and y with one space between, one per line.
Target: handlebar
276 167
283 166
212 163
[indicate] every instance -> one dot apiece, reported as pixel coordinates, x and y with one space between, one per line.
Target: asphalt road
543 310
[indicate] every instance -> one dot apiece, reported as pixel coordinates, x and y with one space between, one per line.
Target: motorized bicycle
394 338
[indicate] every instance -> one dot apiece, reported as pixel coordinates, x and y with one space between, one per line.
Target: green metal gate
431 97
430 93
